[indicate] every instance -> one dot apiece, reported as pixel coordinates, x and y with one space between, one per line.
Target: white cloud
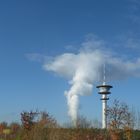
92 42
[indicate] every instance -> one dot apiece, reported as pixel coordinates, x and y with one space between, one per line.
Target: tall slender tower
104 90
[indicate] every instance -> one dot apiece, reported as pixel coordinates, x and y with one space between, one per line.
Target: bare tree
119 116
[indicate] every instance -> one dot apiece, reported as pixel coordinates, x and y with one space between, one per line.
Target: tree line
123 124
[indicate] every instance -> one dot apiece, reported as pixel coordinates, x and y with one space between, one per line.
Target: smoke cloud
85 68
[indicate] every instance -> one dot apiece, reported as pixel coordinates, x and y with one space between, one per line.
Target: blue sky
51 28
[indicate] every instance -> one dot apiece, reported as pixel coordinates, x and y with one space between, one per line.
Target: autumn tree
119 118
3 125
42 128
47 120
27 119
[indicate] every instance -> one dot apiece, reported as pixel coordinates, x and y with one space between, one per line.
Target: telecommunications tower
104 90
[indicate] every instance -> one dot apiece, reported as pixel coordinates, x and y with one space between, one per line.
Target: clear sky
32 28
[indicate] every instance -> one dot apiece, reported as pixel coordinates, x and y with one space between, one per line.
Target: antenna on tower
104 74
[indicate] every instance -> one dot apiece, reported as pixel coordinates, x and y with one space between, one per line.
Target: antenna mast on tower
104 74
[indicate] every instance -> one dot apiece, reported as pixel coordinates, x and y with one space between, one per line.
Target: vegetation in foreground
121 126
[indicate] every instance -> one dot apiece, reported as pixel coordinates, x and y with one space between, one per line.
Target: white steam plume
82 70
